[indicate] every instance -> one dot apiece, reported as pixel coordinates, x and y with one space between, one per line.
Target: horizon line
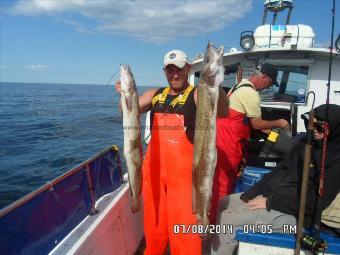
58 83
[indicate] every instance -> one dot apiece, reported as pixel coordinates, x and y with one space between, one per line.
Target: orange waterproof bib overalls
231 132
167 179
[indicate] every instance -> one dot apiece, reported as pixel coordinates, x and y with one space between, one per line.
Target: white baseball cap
175 57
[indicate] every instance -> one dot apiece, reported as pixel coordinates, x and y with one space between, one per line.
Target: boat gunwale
49 185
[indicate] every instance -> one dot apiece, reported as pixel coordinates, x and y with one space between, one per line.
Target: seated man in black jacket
274 200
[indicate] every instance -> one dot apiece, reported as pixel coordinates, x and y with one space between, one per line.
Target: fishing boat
87 209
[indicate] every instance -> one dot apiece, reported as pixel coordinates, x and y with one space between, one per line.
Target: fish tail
205 223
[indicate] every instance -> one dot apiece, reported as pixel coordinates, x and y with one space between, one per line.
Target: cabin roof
317 53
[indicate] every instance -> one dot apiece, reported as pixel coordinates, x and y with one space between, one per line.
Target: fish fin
128 102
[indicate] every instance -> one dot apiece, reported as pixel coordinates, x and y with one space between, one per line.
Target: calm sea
47 129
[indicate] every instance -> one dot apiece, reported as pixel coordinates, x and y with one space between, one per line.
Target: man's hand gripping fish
211 77
132 139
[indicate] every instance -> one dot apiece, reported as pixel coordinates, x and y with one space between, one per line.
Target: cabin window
230 74
196 78
293 85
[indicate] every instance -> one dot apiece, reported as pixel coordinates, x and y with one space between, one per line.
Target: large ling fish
132 139
211 77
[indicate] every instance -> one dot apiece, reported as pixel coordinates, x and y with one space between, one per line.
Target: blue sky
84 41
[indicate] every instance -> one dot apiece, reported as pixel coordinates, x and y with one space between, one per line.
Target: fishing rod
305 175
330 60
317 222
113 75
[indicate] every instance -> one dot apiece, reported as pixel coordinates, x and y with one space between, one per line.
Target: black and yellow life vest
183 104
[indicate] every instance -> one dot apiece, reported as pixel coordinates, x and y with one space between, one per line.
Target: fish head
213 72
126 78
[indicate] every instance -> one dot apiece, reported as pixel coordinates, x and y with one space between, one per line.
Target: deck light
337 43
247 40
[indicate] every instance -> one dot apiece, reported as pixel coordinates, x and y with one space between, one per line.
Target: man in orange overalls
233 130
167 167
